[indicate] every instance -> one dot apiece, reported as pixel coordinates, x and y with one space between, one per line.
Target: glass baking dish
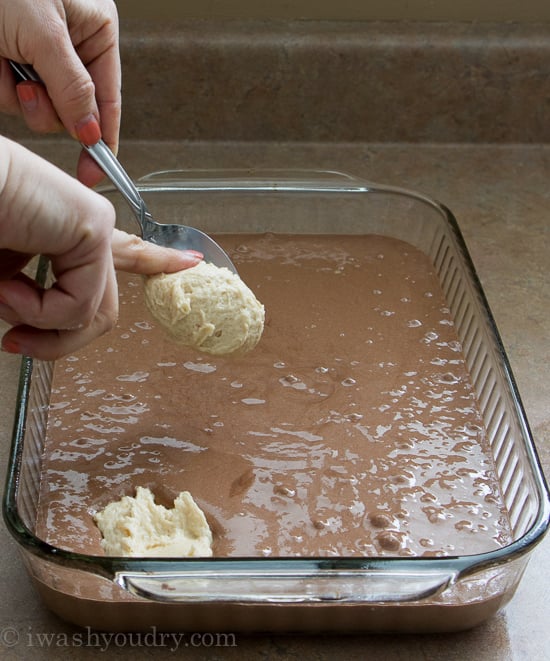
411 594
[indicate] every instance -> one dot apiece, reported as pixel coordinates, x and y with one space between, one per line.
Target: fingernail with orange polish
11 346
192 257
88 131
27 95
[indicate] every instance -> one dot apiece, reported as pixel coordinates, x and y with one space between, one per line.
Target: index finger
106 74
105 71
84 83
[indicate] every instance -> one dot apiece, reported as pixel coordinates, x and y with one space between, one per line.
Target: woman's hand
73 46
44 211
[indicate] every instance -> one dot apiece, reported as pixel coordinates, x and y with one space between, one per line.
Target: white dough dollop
137 526
206 307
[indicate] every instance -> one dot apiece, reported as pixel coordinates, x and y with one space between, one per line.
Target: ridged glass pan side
312 203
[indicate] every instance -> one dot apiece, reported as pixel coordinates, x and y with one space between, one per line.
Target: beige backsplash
333 81
439 10
343 81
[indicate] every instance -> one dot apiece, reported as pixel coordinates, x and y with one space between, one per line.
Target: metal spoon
181 237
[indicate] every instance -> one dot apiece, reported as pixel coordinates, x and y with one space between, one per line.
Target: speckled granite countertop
500 196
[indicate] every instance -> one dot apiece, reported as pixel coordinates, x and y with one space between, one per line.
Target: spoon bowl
181 237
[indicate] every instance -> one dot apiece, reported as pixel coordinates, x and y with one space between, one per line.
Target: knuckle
83 315
99 321
107 8
99 216
109 323
107 320
137 248
129 252
79 91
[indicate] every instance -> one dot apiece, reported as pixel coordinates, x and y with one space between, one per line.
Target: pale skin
73 45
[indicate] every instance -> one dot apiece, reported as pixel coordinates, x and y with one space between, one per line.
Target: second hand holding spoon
177 236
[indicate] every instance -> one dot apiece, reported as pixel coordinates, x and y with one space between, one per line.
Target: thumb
134 255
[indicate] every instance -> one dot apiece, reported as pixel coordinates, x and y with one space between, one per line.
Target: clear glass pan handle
361 586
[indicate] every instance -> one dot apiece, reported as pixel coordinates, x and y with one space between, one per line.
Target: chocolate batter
351 429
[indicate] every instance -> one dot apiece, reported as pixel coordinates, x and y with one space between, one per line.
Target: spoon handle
108 162
104 157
